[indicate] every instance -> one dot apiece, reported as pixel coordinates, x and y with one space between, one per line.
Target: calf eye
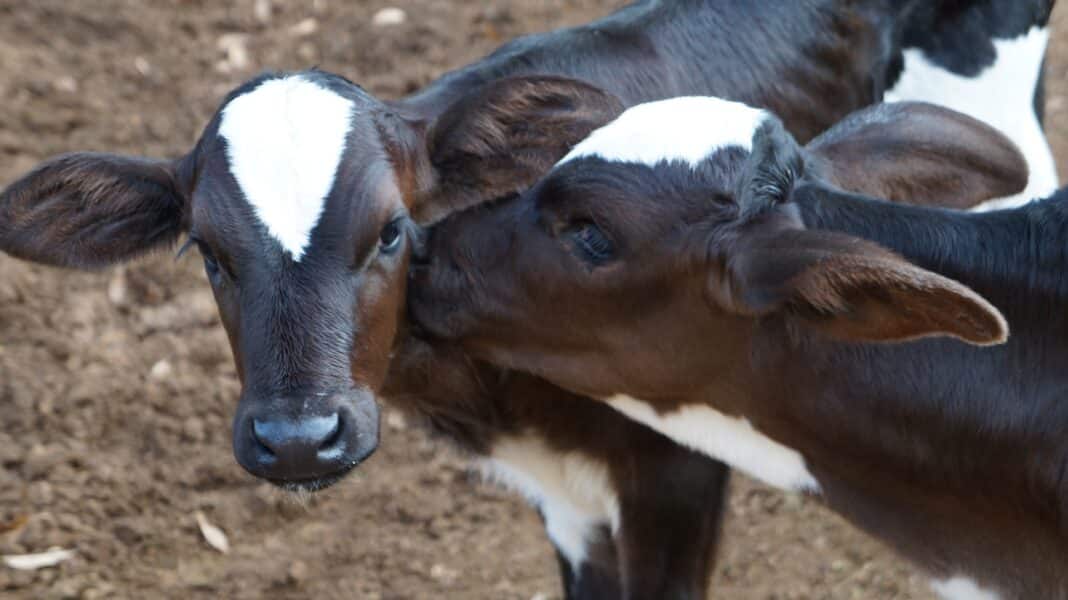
211 265
590 242
390 238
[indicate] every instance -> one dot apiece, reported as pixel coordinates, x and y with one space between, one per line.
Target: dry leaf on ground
212 534
40 560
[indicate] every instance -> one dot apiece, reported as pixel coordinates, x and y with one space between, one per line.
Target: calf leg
671 517
595 578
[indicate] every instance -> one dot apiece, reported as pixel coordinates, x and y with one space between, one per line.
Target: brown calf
691 296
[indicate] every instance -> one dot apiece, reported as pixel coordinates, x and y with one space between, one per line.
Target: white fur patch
285 139
731 440
688 128
573 492
1002 96
962 588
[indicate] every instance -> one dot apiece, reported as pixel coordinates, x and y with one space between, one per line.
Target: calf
304 193
526 426
727 294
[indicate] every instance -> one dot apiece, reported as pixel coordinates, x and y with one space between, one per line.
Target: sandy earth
117 388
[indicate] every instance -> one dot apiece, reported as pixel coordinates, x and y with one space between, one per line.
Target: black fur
997 415
959 35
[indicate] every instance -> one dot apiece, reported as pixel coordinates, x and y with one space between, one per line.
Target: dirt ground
117 388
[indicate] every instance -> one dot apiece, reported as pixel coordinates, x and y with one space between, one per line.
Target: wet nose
312 449
311 446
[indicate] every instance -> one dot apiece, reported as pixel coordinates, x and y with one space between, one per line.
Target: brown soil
116 389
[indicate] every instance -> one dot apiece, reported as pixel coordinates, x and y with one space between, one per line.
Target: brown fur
89 210
855 290
908 157
524 127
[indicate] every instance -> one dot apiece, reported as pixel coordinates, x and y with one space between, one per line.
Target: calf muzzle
306 443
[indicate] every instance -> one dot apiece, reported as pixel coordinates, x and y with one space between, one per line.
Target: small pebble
142 66
389 16
443 574
306 27
118 288
262 10
396 421
298 571
41 459
235 45
66 84
161 370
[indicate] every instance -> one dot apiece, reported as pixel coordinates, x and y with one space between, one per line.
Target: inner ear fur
90 210
919 153
857 291
504 136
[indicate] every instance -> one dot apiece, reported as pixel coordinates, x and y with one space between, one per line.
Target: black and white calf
305 194
722 290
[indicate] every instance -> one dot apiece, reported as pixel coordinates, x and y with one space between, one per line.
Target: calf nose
310 447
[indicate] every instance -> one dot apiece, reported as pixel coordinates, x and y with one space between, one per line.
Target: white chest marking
731 440
1002 96
688 128
574 493
285 139
962 588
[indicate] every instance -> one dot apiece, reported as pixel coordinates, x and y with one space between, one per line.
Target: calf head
304 195
653 246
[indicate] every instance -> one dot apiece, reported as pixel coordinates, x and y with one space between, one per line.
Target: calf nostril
262 441
297 449
333 434
309 447
333 446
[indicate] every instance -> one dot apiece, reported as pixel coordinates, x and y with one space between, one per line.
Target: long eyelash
189 242
417 235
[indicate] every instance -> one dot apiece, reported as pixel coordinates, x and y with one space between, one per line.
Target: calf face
303 195
647 253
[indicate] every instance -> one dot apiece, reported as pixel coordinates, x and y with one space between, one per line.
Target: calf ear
501 138
854 290
773 168
920 153
91 210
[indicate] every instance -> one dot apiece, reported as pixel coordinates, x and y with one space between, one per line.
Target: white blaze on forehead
284 142
688 128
